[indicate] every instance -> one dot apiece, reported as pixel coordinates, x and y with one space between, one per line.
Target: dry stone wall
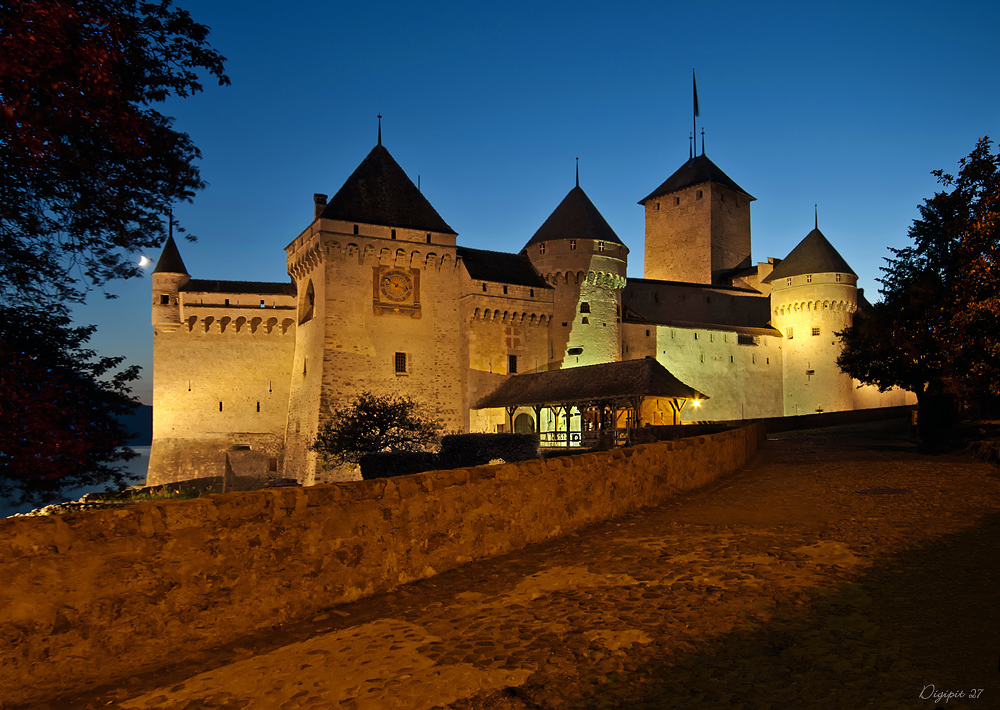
90 598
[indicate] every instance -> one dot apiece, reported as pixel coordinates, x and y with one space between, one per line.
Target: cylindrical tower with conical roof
813 296
579 254
168 276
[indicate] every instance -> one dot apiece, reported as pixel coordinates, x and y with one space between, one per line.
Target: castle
382 298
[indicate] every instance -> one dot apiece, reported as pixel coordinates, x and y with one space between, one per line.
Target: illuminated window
400 362
512 364
815 331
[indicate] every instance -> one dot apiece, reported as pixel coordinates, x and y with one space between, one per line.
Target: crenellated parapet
240 325
601 279
843 306
510 317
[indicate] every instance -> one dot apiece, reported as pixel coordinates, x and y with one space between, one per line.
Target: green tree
374 423
59 412
938 320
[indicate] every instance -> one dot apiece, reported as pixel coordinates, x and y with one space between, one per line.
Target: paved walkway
779 587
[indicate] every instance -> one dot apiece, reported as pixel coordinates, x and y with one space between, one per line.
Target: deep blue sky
848 105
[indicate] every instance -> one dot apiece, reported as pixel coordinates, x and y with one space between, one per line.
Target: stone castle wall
220 380
95 597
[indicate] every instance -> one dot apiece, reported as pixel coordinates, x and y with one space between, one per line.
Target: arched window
308 304
584 307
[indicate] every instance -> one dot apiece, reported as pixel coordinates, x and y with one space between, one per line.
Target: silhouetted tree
90 169
59 411
938 320
374 423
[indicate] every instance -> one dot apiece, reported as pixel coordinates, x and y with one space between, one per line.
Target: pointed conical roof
813 255
378 192
170 261
695 171
575 218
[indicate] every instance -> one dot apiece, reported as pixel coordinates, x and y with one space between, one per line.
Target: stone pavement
781 586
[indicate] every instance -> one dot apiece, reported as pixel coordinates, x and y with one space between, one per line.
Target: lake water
136 469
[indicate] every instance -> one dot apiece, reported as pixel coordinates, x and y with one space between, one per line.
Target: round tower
813 296
576 251
168 276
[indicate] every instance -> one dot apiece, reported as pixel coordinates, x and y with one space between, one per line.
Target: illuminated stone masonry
381 297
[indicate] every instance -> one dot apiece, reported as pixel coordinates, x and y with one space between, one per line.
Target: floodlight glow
696 402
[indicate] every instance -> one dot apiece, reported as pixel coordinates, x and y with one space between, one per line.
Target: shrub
461 450
385 464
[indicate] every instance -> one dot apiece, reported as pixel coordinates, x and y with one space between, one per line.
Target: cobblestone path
781 586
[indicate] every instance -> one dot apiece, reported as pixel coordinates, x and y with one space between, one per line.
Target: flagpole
694 119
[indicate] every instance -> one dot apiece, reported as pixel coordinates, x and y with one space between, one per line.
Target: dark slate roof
813 255
500 267
612 380
575 218
215 286
378 192
170 261
694 172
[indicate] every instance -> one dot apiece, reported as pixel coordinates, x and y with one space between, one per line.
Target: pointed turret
576 217
168 276
379 192
813 255
170 261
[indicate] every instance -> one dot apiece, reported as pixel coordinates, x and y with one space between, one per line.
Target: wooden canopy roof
591 383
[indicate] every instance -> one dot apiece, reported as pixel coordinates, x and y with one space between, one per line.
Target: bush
385 464
462 450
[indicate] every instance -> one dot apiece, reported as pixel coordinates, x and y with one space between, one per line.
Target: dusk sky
846 105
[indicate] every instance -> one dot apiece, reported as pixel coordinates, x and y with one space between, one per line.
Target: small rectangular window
789 281
505 290
484 288
164 299
815 331
220 406
791 332
809 278
428 238
838 278
531 293
355 229
262 303
647 332
677 200
258 407
699 194
512 364
227 301
572 244
400 362
272 463
393 234
695 336
585 307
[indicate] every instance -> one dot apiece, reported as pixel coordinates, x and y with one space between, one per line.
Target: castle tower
168 276
378 306
578 253
697 225
813 296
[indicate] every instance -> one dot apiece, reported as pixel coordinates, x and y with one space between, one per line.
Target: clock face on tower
396 286
396 291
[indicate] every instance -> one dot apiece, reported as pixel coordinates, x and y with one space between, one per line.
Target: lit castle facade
382 298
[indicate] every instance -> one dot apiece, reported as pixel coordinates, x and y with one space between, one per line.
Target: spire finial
703 140
816 214
690 146
694 86
380 129
578 171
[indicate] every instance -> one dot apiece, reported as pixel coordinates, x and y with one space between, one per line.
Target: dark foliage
460 450
59 412
937 322
385 464
373 423
90 170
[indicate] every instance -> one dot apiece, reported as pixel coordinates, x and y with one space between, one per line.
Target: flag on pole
694 83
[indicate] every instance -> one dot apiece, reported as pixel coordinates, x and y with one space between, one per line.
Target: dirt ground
840 569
